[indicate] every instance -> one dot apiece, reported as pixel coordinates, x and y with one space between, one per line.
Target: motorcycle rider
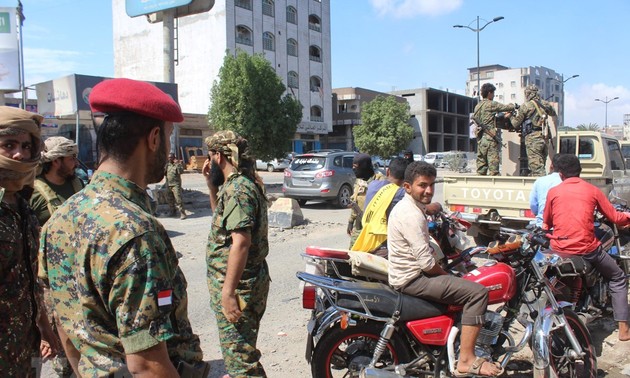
569 212
413 269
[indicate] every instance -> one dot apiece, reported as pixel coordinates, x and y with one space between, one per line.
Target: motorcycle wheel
344 352
560 365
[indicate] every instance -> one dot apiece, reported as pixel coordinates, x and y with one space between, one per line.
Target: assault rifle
486 129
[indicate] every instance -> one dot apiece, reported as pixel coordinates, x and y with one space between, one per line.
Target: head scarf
364 169
227 142
531 92
56 147
14 174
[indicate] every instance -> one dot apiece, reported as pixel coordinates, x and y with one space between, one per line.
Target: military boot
182 214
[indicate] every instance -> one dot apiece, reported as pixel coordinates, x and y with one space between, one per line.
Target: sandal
475 368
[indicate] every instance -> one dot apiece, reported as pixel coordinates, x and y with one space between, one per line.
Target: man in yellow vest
53 187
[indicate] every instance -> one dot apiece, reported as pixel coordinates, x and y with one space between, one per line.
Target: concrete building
347 104
293 35
440 120
511 83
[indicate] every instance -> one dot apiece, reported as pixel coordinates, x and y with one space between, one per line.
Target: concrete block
285 213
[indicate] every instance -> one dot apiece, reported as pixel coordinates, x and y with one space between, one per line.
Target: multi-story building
440 120
511 83
293 35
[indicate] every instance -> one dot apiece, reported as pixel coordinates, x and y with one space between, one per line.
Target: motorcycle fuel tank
499 278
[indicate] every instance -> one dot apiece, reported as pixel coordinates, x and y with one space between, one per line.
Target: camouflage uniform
488 148
358 197
174 184
535 143
106 261
241 205
19 335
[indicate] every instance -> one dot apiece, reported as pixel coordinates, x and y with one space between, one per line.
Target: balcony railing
315 58
316 27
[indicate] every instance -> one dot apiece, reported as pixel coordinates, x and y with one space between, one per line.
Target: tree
589 127
250 98
384 130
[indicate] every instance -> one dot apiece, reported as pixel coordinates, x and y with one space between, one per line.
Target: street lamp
606 102
477 30
562 81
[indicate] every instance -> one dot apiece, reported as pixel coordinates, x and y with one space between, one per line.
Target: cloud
581 107
412 8
49 63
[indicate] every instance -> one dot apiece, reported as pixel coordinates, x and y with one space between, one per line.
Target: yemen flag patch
165 298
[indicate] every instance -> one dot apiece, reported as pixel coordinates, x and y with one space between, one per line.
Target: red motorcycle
366 329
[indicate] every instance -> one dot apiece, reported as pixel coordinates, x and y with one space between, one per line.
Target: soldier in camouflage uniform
21 303
117 289
174 170
531 121
364 171
238 276
56 183
487 147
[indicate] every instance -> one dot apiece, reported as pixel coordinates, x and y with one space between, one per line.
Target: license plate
302 181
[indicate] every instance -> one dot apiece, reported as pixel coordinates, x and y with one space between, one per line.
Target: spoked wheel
562 363
344 352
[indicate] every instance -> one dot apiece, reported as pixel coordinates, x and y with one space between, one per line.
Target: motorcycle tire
344 352
560 365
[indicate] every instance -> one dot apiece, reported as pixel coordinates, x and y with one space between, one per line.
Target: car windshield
308 163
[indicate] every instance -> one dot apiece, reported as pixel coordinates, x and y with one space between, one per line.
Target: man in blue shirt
538 196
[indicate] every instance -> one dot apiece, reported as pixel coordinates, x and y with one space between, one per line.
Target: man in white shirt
413 269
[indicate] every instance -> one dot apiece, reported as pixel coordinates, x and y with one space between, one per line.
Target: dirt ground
283 332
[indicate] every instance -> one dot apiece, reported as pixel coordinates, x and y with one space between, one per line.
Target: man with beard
238 276
57 181
363 170
21 303
109 264
413 269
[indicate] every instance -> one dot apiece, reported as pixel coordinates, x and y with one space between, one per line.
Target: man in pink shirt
569 212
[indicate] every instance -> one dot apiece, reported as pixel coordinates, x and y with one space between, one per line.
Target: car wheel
343 197
301 202
270 168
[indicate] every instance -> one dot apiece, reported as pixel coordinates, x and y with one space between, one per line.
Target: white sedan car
273 165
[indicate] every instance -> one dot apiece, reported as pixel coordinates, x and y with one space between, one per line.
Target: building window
293 79
489 74
291 15
500 85
267 7
268 41
247 4
315 54
314 23
316 84
513 84
513 96
292 47
316 114
244 35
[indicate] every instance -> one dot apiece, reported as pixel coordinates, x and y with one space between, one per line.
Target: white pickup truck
489 202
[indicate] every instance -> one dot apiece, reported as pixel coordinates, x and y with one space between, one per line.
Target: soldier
408 155
112 271
363 170
174 172
56 183
20 300
238 276
487 137
531 120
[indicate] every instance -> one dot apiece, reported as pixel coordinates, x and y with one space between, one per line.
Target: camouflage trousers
487 157
536 153
19 352
174 198
238 340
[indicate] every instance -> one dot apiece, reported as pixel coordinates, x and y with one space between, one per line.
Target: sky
398 44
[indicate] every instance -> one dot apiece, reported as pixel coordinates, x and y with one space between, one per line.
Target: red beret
120 95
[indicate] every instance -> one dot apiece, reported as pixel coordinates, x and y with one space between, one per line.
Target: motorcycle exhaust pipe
378 373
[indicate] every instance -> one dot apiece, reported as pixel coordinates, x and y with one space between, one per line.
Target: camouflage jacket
19 336
359 192
174 173
528 110
240 205
114 278
486 109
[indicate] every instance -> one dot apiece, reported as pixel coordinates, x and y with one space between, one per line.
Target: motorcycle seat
327 253
383 301
574 265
